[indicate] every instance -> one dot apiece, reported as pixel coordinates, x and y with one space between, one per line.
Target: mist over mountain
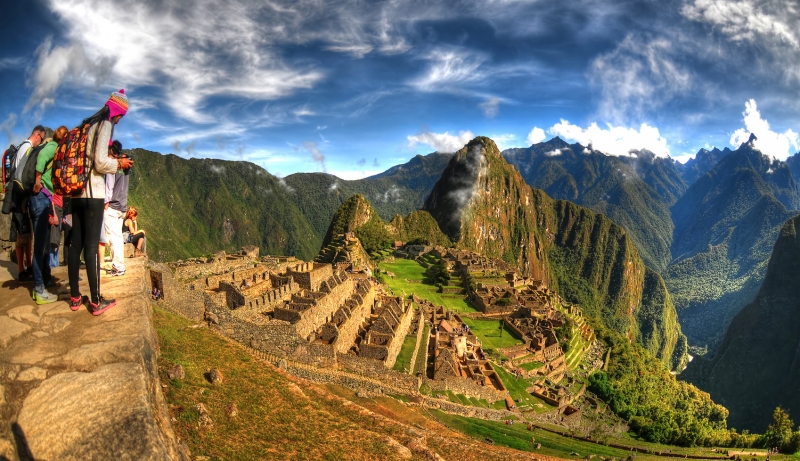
757 364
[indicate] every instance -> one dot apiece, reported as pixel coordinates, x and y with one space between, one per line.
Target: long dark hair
98 116
95 119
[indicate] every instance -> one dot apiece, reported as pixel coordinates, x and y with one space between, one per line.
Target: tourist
87 210
18 205
21 235
41 209
133 234
115 208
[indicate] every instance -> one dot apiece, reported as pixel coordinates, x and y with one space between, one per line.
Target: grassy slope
281 417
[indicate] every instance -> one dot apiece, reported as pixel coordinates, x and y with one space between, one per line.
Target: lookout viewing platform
76 386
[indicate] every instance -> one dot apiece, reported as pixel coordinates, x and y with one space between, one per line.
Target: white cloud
504 141
684 157
553 153
491 107
744 20
316 154
536 136
194 53
441 142
640 74
615 140
448 67
776 145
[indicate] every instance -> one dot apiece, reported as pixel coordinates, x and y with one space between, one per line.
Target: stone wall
348 330
189 303
218 265
310 275
466 387
471 412
417 348
375 369
400 333
323 308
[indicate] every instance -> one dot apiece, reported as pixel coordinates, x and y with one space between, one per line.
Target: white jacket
97 157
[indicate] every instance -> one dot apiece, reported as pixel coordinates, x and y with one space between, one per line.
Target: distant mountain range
706 226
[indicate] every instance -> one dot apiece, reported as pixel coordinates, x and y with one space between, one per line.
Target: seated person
132 234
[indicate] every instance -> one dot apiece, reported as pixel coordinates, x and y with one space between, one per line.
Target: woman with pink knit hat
87 210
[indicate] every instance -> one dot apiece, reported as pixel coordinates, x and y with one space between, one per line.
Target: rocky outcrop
78 386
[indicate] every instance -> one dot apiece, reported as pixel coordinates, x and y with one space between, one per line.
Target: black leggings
135 239
87 221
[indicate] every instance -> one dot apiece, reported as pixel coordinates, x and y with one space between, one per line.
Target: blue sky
354 87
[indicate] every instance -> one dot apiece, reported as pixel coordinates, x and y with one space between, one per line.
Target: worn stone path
76 386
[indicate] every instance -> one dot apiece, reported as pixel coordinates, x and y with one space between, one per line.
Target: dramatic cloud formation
441 142
210 77
776 145
536 136
616 140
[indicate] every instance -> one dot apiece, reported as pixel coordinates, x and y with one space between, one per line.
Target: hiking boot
76 303
51 282
44 297
24 277
138 253
102 306
116 273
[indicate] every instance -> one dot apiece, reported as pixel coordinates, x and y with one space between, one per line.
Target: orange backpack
70 172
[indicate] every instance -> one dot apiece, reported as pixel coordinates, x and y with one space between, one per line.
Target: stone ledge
76 386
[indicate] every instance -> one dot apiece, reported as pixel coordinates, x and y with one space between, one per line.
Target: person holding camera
115 208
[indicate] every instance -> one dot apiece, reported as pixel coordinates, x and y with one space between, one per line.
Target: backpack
25 179
70 171
9 163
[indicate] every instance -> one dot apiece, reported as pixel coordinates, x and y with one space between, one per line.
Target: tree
779 433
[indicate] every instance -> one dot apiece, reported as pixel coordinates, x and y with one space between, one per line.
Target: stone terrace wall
236 277
417 348
274 336
267 302
192 270
375 369
310 275
400 333
472 412
324 308
189 303
466 387
348 330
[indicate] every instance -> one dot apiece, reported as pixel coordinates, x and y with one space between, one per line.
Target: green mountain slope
482 203
198 206
634 192
725 225
757 365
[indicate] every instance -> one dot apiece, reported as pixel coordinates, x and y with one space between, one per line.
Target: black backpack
24 181
9 163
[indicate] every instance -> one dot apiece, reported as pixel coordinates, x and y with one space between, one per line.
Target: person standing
41 206
87 209
115 208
